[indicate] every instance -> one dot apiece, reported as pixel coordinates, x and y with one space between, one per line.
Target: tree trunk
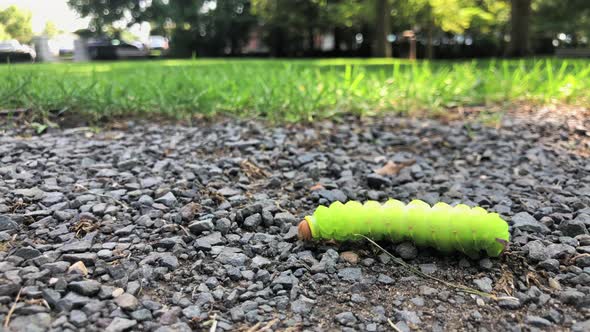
277 45
234 45
366 49
430 46
520 18
382 29
311 40
337 40
412 55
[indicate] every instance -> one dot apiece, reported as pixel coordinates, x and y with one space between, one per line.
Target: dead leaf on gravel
18 205
83 227
317 186
79 267
78 188
168 152
113 135
554 284
214 195
506 282
117 292
189 210
573 259
252 170
267 327
350 256
391 168
38 302
5 246
531 277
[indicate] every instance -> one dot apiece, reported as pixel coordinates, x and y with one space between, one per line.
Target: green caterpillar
444 227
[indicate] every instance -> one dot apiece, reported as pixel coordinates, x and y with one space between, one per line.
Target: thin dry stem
254 328
214 324
7 319
393 325
414 270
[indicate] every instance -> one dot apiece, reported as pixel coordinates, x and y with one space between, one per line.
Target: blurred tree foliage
195 26
290 25
455 17
570 17
50 29
16 24
357 27
3 34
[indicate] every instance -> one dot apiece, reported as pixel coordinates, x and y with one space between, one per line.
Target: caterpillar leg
493 251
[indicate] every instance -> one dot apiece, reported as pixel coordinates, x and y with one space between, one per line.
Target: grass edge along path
287 90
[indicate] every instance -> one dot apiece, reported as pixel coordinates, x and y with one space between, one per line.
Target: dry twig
414 270
214 324
186 231
7 319
81 188
269 325
257 328
393 325
254 328
391 168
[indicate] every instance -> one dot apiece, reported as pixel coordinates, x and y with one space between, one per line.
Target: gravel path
163 228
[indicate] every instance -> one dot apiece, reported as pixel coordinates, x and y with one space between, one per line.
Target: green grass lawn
288 90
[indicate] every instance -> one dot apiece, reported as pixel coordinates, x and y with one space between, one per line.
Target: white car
12 50
158 46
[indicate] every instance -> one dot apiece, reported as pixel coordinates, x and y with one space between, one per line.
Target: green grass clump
287 90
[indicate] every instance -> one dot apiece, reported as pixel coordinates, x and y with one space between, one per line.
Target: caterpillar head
304 231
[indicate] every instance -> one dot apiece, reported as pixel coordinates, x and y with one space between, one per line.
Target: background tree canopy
15 24
356 27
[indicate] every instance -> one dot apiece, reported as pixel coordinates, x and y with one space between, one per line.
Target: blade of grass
417 272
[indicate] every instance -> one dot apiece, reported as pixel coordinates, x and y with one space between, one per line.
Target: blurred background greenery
335 38
332 28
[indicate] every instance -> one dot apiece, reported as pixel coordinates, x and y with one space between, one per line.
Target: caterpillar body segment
441 226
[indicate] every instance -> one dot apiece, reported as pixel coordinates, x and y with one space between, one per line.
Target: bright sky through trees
43 11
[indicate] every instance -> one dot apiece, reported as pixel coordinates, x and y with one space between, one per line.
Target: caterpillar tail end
304 231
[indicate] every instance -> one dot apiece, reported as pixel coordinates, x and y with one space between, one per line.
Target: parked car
13 51
114 49
158 46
